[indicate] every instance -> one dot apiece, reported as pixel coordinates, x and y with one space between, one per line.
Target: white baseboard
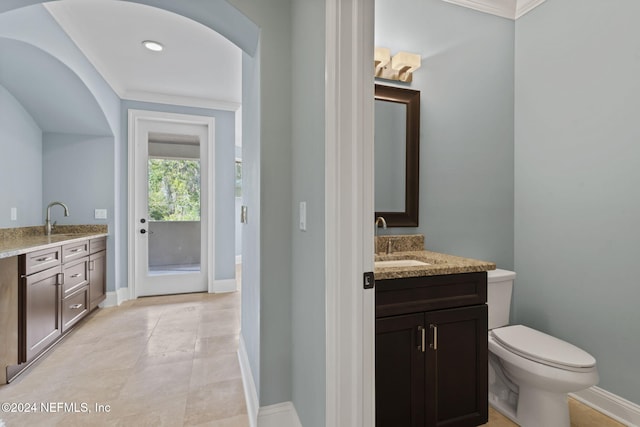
115 298
228 285
111 301
622 410
250 391
279 415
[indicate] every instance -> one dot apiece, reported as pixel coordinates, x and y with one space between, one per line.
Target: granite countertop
438 263
411 247
18 241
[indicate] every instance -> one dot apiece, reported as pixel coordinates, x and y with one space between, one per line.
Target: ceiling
24 78
198 67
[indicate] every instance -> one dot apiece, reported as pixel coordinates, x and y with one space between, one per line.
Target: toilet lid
543 348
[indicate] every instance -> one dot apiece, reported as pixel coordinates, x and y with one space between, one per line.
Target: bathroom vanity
431 340
47 285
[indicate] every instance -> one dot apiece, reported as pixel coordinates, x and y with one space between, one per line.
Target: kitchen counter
18 241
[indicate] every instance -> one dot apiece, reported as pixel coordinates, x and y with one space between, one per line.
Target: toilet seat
542 348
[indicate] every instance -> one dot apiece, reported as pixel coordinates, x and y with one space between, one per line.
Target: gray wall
308 263
274 202
75 167
466 149
576 174
20 164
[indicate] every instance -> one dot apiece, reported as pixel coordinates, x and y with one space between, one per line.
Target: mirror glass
397 155
390 167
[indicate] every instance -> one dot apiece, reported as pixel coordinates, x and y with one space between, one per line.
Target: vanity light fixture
153 45
400 67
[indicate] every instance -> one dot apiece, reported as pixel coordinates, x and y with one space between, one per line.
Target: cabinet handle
92 265
434 344
76 275
76 250
75 306
60 279
423 334
49 258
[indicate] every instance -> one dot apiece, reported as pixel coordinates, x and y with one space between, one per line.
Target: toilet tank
499 289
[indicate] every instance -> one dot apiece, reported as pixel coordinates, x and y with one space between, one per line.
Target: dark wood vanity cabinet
431 351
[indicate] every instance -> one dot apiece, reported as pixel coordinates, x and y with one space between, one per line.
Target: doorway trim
350 309
135 117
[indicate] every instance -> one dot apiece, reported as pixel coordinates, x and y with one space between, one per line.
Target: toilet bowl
530 372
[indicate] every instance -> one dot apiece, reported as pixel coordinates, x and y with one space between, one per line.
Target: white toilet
530 373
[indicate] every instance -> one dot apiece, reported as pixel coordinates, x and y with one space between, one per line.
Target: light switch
100 214
14 214
303 216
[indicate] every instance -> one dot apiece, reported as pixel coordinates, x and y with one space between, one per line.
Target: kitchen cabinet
55 288
97 271
431 351
41 322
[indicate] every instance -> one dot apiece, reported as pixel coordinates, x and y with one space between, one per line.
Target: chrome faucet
380 220
47 223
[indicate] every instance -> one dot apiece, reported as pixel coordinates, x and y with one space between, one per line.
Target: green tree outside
174 190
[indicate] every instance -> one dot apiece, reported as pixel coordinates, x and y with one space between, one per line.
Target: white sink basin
400 263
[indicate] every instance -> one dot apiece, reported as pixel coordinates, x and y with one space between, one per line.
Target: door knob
143 231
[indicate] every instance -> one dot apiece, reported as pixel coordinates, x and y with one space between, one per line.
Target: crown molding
510 9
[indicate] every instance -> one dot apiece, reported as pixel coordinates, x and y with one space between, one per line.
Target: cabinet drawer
75 307
76 275
97 245
75 251
41 260
415 294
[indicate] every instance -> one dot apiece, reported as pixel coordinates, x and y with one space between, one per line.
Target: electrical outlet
100 214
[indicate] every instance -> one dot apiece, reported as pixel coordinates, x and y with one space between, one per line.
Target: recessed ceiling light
154 46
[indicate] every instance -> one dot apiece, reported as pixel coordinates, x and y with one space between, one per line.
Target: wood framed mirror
397 155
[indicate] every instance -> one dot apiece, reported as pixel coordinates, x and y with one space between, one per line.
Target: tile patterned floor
158 361
581 416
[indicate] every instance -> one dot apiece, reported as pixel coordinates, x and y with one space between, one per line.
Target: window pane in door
173 211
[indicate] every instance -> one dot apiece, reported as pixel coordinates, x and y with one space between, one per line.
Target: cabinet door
457 370
41 323
97 278
400 362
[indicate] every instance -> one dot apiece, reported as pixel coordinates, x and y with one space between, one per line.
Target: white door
172 205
